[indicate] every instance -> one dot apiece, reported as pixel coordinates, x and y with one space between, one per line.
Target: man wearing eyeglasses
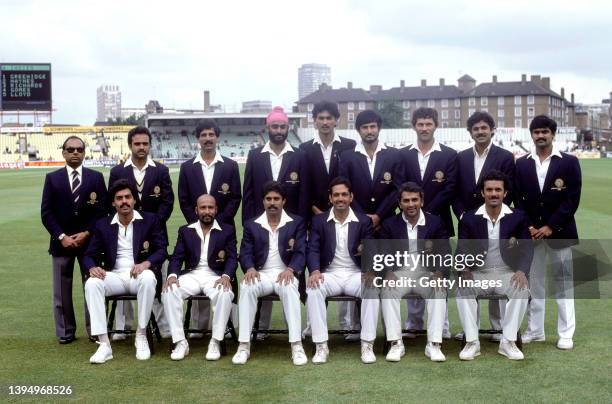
73 198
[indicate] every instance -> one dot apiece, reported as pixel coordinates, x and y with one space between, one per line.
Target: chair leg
519 340
187 320
256 324
156 328
150 340
111 316
463 341
232 330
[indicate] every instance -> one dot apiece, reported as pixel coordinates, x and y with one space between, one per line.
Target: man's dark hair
425 113
274 186
328 106
368 116
493 175
541 122
480 116
410 187
138 130
207 124
70 138
340 181
120 185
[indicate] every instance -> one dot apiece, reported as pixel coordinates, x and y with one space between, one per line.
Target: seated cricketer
132 247
207 248
500 235
272 256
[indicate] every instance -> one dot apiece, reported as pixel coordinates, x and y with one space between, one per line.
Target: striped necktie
76 185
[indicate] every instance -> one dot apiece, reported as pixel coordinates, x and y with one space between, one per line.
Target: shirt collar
350 218
420 221
149 163
555 152
360 148
262 220
199 159
486 151
505 210
70 170
286 148
198 228
136 216
317 139
435 147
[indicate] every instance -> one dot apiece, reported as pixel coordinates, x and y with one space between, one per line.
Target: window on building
457 114
445 124
518 111
471 111
310 118
444 103
457 124
500 113
530 111
501 123
431 103
350 116
518 123
517 100
500 100
310 107
350 106
407 116
484 101
361 105
530 99
406 104
484 109
444 114
472 101
418 104
457 102
350 125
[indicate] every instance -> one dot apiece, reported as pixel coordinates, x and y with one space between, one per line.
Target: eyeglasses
73 149
277 126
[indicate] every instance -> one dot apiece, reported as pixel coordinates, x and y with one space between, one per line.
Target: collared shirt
326 151
342 258
208 170
79 171
479 160
139 174
360 148
276 160
494 260
542 167
273 263
413 232
125 247
424 158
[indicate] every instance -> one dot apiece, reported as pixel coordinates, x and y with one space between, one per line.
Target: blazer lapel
114 239
378 167
432 165
413 165
469 170
487 164
551 174
333 162
267 167
214 184
199 175
283 168
136 237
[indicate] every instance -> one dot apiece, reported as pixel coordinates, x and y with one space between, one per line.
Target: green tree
392 114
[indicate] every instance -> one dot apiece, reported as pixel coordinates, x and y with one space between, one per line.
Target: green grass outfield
30 354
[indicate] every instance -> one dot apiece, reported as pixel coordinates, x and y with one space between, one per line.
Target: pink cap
277 115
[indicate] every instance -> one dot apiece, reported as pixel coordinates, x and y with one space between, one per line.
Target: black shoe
93 339
67 340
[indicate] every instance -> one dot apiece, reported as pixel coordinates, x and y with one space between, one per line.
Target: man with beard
548 185
152 182
73 198
215 175
208 250
272 256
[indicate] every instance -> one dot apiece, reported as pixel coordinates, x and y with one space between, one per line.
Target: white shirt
494 260
360 148
342 258
79 171
542 167
479 160
139 174
208 171
413 232
125 247
273 263
276 160
424 158
326 151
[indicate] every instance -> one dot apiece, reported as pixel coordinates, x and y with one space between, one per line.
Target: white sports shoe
142 348
396 352
470 351
298 355
119 337
527 338
242 354
434 352
510 350
367 352
103 354
565 343
321 354
180 350
214 353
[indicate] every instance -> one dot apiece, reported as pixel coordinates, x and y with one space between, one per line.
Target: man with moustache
73 198
548 187
272 256
155 195
207 248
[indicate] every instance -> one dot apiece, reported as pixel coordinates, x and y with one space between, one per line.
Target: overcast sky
245 50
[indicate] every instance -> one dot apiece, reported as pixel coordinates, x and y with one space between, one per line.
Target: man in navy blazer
419 229
333 256
548 186
151 180
73 198
123 257
272 256
497 238
207 250
433 166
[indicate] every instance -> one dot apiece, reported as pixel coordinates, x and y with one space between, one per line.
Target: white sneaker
242 354
321 354
103 354
396 351
496 337
118 337
434 352
470 351
459 336
298 355
565 343
180 350
351 337
214 353
510 350
527 338
367 352
195 335
142 348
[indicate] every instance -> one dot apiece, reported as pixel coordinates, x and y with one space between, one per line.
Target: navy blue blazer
222 256
61 215
377 196
468 195
516 246
291 245
148 243
556 205
318 177
438 183
292 175
225 187
322 241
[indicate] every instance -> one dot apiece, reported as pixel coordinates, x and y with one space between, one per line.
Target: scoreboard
25 87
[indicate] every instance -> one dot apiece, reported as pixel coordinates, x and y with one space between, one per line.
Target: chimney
546 82
535 78
375 89
441 84
206 101
494 79
523 78
402 83
324 86
562 92
349 85
423 83
573 97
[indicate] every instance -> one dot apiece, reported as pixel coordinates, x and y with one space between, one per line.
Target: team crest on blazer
93 198
224 188
291 244
386 178
512 242
156 191
559 184
294 178
439 176
221 256
145 247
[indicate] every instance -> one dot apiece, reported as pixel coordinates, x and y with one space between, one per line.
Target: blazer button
373 199
474 195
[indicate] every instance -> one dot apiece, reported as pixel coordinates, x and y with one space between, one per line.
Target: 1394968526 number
35 390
